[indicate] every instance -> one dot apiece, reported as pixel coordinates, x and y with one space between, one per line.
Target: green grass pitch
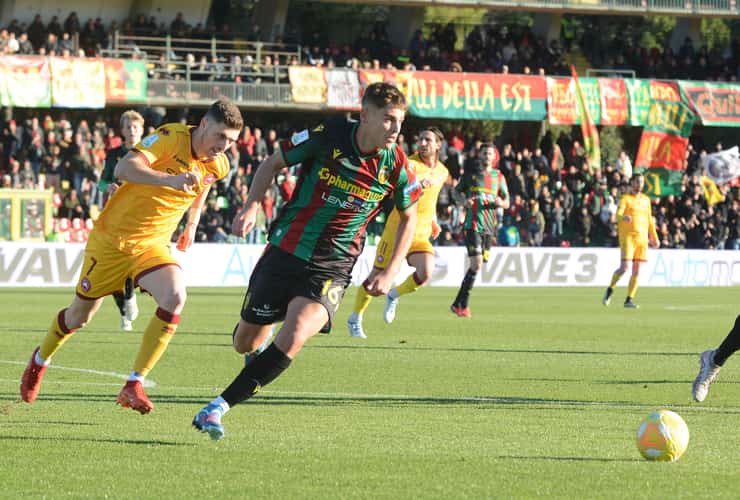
538 394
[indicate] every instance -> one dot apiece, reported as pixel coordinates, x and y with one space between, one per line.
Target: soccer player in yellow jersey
432 174
636 228
166 174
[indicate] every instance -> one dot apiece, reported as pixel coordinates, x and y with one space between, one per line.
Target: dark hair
382 94
486 145
226 112
437 132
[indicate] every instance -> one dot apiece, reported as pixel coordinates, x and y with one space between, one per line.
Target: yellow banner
307 84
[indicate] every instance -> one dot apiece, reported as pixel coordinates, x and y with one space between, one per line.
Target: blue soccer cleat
209 420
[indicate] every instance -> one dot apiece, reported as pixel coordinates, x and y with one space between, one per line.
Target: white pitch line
147 382
693 308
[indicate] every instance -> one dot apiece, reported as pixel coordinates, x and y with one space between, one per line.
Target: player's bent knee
174 301
248 338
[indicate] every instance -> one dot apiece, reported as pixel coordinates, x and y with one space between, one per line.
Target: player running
166 174
431 174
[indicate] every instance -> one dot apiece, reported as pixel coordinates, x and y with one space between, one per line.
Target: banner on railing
25 82
715 103
77 83
125 80
342 89
307 84
220 265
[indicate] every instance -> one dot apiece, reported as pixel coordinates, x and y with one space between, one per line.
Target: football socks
261 371
57 335
157 335
729 346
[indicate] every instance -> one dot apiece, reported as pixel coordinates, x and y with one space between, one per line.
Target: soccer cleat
31 380
248 358
607 299
463 312
389 314
628 304
209 420
708 371
133 396
131 308
355 329
126 324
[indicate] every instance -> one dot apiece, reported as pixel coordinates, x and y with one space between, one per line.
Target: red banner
614 110
664 91
561 101
658 149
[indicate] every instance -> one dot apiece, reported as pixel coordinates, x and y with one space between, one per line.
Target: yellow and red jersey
637 206
431 180
141 215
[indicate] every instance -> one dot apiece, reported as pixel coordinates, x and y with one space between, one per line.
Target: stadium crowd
498 48
556 198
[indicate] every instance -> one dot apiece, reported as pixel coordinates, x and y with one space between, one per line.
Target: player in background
636 228
347 170
485 189
166 174
132 128
431 174
712 360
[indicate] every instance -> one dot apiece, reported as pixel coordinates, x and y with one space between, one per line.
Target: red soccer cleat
463 312
133 396
31 381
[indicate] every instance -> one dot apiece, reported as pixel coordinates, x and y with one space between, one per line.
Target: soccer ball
663 436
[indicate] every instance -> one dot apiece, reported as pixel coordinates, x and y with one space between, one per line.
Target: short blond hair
132 116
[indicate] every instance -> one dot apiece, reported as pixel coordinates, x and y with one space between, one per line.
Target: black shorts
279 277
478 243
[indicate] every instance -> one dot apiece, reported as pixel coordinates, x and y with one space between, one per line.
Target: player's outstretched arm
245 218
382 282
134 167
188 235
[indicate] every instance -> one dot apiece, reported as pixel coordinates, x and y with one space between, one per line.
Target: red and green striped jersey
338 191
480 188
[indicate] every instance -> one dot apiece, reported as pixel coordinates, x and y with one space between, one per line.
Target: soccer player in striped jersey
132 128
485 190
636 229
712 360
431 174
167 174
347 170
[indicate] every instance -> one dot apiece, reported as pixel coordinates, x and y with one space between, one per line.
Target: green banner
592 96
638 101
661 182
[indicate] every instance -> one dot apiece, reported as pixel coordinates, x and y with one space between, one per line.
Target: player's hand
436 229
112 187
654 243
187 237
380 284
244 220
186 181
627 218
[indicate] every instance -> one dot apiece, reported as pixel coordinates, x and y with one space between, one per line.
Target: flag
711 192
723 166
588 127
662 152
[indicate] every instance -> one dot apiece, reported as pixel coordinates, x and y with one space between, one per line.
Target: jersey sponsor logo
164 131
299 137
264 311
345 185
85 285
209 179
149 140
336 153
351 203
182 162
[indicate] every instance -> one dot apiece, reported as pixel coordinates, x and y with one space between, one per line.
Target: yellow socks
362 300
615 278
409 285
57 335
632 289
156 337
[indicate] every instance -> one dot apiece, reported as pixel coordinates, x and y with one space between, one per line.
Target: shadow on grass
145 442
569 459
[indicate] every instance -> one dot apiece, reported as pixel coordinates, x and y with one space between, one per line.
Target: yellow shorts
385 250
105 268
633 247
